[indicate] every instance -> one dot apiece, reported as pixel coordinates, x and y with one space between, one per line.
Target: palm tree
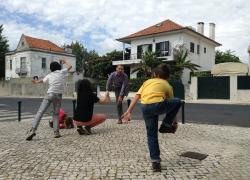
180 53
149 61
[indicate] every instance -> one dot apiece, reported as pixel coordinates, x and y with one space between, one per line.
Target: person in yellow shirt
156 96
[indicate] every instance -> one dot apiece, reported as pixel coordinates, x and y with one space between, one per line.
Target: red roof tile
42 44
164 26
161 27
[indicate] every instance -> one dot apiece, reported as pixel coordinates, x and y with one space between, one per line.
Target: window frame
192 47
162 49
44 64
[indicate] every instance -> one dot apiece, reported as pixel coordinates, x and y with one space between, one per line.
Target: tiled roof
161 27
42 44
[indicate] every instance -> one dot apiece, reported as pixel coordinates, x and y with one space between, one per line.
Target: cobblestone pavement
120 152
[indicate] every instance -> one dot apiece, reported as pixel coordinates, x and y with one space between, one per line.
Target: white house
163 37
33 56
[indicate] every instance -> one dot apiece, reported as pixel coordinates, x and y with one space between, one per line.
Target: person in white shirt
56 80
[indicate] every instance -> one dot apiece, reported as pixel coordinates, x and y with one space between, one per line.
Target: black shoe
51 124
81 131
88 129
165 129
57 134
31 134
156 167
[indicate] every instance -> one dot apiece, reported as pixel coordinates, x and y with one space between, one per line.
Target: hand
120 98
33 81
63 61
107 97
126 117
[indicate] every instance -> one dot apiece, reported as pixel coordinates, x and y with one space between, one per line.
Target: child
56 80
156 97
65 122
84 110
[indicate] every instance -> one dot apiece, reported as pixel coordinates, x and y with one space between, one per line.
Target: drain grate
194 155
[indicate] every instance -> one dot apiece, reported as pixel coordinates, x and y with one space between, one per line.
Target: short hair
162 71
55 66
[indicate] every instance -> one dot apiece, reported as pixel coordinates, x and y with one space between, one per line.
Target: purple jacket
118 82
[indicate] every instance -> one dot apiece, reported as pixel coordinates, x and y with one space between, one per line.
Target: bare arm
105 99
69 66
127 115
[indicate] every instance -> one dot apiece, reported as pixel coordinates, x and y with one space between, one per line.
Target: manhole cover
194 155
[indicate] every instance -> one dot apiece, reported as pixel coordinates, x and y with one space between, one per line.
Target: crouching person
84 118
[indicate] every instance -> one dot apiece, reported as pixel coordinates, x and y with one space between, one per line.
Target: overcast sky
97 23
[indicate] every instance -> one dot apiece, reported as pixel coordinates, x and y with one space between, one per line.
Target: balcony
132 59
21 71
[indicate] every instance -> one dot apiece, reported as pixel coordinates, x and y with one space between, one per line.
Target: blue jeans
151 113
56 100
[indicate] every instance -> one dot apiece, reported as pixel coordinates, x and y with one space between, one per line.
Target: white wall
34 63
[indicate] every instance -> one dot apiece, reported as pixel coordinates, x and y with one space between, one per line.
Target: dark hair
55 66
84 85
162 71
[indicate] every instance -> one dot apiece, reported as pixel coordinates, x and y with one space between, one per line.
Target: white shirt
56 81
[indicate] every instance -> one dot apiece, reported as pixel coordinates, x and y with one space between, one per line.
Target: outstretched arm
127 115
69 66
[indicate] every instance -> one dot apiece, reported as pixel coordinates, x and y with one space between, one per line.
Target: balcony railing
21 71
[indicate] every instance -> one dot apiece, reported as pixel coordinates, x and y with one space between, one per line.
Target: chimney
200 27
212 31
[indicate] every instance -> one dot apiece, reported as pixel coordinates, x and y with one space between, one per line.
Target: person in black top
83 115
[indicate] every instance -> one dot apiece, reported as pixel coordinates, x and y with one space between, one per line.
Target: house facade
163 37
33 56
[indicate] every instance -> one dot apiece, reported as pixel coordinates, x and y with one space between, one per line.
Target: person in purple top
118 82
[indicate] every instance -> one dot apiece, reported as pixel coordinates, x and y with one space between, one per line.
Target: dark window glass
10 64
162 49
192 47
198 49
43 63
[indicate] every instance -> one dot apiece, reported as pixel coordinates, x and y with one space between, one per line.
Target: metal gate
214 87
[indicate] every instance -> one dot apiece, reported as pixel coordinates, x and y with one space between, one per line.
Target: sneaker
165 129
175 126
31 134
156 166
81 131
51 124
88 129
57 134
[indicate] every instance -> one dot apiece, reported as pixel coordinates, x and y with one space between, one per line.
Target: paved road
120 152
228 114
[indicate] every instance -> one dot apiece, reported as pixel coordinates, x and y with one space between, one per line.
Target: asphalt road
219 114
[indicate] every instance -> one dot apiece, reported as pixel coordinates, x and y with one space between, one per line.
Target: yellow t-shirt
155 90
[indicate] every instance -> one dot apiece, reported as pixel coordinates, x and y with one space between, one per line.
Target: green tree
227 56
90 64
4 48
149 61
81 54
180 53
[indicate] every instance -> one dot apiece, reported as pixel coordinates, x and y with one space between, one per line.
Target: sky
98 23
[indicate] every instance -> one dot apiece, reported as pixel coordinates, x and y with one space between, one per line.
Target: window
205 50
192 47
10 64
162 49
141 49
198 49
43 63
23 63
22 44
